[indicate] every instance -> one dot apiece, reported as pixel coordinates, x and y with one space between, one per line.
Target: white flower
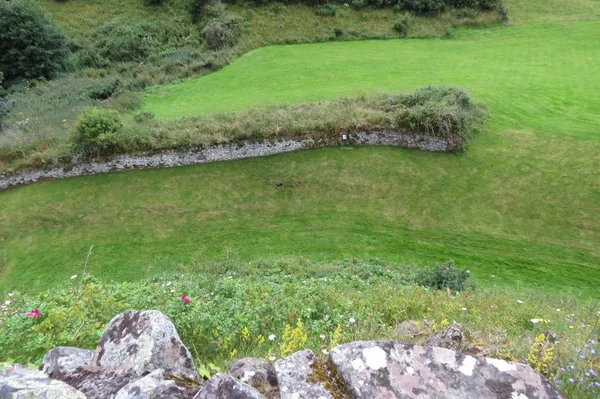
493 276
168 283
309 309
519 301
325 351
352 320
558 310
465 309
272 337
11 293
272 358
172 291
535 321
322 336
73 277
7 303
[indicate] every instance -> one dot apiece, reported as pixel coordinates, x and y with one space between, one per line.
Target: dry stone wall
223 152
140 356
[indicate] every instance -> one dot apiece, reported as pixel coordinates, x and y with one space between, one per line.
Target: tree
30 46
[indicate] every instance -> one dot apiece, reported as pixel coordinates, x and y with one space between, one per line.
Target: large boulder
388 369
144 341
258 374
64 360
154 386
17 382
294 377
223 386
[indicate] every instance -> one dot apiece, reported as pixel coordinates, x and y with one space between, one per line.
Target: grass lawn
522 204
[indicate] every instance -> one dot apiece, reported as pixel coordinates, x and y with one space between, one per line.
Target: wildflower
581 356
592 342
272 358
465 309
572 367
535 321
73 277
594 384
184 299
272 337
172 291
11 293
582 325
34 313
558 382
322 336
519 301
168 283
7 303
493 276
571 380
592 351
563 370
593 373
325 351
352 320
557 309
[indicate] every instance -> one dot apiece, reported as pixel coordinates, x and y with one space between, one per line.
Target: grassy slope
522 204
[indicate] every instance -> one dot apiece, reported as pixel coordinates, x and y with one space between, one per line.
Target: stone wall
222 152
140 356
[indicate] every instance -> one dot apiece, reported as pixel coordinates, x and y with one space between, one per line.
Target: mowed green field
520 208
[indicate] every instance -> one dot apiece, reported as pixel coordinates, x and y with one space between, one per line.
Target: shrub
30 46
222 32
123 40
326 10
104 89
403 25
423 6
357 4
97 132
444 276
152 3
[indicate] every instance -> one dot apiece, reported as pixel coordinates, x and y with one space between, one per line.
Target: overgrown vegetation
271 309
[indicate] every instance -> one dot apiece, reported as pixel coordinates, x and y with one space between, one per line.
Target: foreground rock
64 360
388 369
223 386
293 374
18 382
258 374
154 386
144 341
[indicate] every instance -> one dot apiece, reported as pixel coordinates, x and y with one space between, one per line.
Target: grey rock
144 341
388 369
65 360
100 384
293 375
17 382
222 152
223 386
258 374
154 386
450 338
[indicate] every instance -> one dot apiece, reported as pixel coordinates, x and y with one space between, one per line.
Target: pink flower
184 299
34 313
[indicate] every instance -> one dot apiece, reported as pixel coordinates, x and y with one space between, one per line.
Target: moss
326 374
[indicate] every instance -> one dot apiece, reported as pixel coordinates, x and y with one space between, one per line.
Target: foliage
122 39
541 355
326 10
5 105
222 32
97 132
444 276
254 309
293 339
30 46
152 3
403 25
104 88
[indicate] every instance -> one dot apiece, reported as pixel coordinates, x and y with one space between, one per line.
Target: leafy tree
30 46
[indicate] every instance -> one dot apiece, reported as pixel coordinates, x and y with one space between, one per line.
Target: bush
444 276
152 3
123 40
326 10
222 32
403 25
423 6
30 46
104 89
98 132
